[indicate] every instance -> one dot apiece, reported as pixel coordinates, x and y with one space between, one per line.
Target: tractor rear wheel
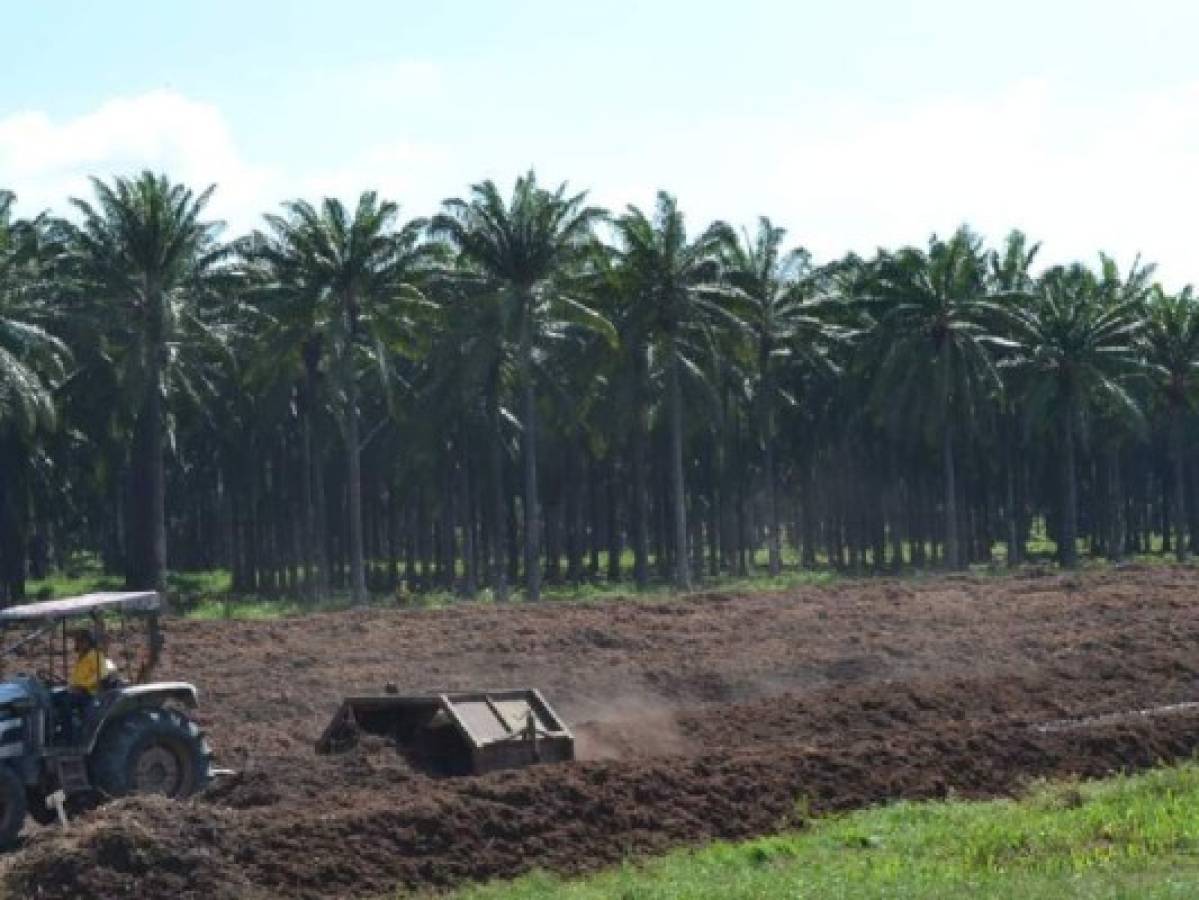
151 751
13 806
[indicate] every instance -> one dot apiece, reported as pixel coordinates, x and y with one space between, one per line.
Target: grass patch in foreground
1125 837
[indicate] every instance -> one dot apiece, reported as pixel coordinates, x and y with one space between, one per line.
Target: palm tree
935 346
1011 270
341 282
30 356
467 375
1011 276
288 332
1171 338
32 364
1077 346
144 255
679 298
524 248
624 403
786 325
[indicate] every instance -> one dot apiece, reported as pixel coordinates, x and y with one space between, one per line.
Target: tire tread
110 760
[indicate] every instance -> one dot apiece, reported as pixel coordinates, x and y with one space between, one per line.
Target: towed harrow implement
455 732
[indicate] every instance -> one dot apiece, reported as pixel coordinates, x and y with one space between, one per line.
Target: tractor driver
92 667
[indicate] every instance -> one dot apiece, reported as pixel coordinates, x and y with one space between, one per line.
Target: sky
853 124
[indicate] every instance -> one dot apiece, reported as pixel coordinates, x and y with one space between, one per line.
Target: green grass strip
1125 837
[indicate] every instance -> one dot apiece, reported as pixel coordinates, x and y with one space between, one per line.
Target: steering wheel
50 678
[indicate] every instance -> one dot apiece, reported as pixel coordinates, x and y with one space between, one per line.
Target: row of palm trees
311 402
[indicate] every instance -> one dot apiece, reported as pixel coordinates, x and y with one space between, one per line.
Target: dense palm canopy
1077 350
1171 339
142 262
337 282
31 357
1171 350
676 308
33 364
933 342
789 330
525 250
344 401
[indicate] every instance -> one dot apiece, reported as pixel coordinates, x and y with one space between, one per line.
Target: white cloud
408 172
1115 173
46 161
1079 172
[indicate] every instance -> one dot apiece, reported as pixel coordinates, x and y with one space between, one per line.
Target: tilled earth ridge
696 719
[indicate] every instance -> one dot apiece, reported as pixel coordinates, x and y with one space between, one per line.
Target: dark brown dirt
708 718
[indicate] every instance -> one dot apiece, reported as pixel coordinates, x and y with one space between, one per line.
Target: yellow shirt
90 670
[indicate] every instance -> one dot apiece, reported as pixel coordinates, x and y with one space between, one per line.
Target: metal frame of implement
457 732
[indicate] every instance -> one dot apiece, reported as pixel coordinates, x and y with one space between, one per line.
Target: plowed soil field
712 717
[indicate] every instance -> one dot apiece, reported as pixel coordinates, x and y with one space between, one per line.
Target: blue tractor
61 749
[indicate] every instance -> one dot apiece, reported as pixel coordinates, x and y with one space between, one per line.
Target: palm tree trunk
552 528
13 521
447 543
808 513
774 548
315 568
411 535
147 566
513 528
896 519
573 511
324 536
306 497
682 573
354 473
594 527
615 547
1068 551
1178 511
113 552
952 550
393 540
529 450
772 510
1012 519
499 525
714 509
738 494
640 481
470 583
1116 502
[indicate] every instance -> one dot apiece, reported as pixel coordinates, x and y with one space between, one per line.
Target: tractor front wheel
13 805
151 751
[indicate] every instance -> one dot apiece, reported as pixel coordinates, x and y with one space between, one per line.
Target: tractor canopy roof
138 602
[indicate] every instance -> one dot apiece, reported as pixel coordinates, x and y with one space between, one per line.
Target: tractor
61 750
